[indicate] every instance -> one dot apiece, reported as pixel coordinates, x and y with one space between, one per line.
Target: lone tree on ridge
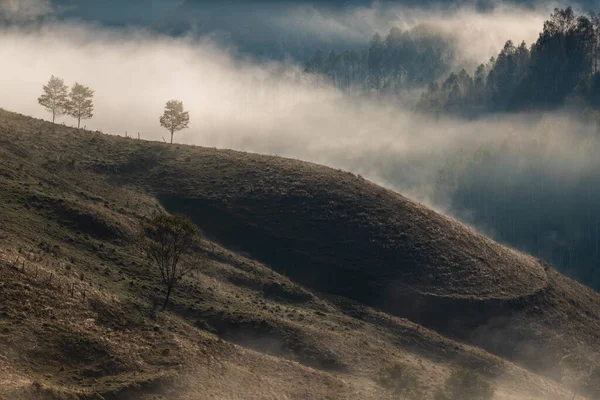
80 105
54 99
174 117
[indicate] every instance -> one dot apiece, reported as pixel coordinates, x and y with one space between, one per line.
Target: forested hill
402 59
520 189
561 68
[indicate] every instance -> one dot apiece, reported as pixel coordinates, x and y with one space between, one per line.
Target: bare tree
167 242
80 105
174 117
54 99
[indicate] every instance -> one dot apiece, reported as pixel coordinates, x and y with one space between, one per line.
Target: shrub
441 395
591 384
465 384
39 391
401 380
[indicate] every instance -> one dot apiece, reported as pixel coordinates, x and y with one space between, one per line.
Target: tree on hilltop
80 105
54 99
175 118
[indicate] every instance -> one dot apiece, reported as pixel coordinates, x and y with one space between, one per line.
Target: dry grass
283 305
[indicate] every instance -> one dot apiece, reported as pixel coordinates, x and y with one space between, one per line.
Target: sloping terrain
312 280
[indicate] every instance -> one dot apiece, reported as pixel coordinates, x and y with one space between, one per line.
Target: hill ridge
287 242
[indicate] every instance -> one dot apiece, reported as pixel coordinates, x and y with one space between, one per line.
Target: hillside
312 280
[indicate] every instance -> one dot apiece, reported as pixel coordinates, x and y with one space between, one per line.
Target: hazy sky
265 107
22 10
297 28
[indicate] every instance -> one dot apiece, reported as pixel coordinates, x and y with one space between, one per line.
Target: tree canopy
54 99
174 117
80 105
402 59
561 67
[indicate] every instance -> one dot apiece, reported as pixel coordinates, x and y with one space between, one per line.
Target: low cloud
278 29
477 35
270 107
24 10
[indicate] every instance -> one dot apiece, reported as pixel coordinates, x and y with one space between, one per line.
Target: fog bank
267 108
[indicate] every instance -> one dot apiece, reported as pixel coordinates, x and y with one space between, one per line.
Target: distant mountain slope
302 262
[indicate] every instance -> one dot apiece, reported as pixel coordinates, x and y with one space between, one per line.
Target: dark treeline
537 200
561 68
525 191
534 201
400 60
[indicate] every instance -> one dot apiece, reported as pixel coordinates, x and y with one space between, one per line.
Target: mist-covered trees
523 198
530 193
54 98
167 241
561 67
561 59
80 105
58 100
175 118
401 59
491 87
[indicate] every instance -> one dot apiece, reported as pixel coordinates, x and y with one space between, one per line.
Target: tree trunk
53 116
78 122
169 288
172 137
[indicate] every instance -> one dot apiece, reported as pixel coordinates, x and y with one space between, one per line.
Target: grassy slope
71 202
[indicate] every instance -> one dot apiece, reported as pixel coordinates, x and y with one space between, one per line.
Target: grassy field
311 281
